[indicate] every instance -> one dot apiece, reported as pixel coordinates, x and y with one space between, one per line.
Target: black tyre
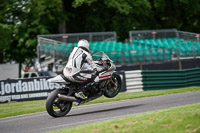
115 89
56 107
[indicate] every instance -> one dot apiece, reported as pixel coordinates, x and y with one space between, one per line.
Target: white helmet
84 44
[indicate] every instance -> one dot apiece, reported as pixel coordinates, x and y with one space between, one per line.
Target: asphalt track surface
42 122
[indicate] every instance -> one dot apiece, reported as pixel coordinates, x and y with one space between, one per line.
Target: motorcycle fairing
58 79
105 75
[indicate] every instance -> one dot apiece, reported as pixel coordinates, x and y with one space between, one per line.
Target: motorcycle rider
80 59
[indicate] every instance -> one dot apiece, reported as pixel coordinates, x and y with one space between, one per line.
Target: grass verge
19 108
183 119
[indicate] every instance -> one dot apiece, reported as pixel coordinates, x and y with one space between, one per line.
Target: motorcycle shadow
105 110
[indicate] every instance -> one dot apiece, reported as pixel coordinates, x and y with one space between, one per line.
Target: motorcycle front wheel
56 107
115 86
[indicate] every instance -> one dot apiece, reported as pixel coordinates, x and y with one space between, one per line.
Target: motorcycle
59 102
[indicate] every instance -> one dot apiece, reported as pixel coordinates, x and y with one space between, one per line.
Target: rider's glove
105 68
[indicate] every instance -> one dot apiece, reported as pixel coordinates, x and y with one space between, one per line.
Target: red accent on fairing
82 80
85 75
105 76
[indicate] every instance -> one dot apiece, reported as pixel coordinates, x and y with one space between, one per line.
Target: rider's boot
83 94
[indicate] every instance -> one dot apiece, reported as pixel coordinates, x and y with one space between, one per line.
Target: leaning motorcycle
59 102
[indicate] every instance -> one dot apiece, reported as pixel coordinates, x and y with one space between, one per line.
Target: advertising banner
25 89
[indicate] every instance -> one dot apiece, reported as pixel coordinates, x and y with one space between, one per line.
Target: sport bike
59 102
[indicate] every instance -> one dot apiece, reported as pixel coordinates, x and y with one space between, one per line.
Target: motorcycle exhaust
67 98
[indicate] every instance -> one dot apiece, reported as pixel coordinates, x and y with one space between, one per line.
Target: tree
5 39
23 20
180 14
125 15
110 15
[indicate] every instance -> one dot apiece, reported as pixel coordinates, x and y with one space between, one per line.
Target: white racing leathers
80 60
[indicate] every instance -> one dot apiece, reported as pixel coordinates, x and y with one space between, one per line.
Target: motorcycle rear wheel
112 92
56 107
